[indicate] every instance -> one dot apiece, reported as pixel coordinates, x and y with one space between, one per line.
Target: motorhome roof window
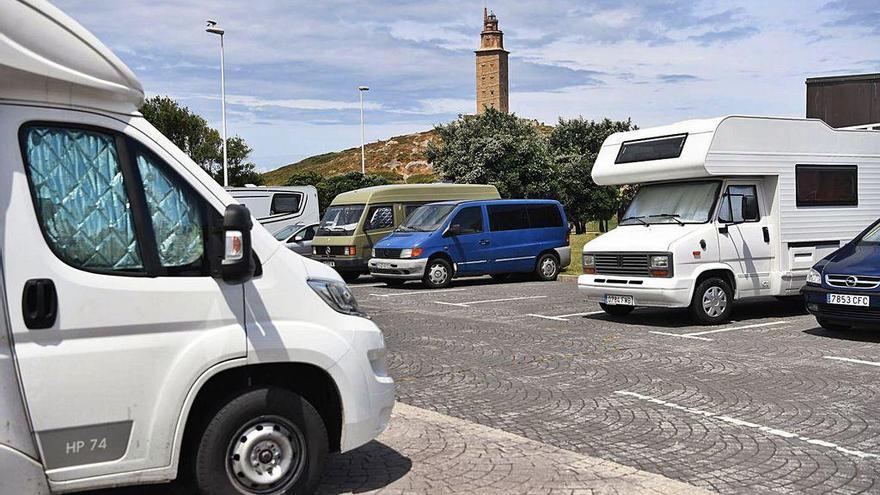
827 185
659 148
285 203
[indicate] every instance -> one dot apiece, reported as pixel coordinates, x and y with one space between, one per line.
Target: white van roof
47 57
727 146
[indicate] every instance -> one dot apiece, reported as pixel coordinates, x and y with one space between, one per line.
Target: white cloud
298 104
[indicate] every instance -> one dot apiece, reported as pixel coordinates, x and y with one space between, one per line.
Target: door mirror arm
452 230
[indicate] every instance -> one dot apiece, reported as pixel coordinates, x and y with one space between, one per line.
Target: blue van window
543 216
508 217
470 219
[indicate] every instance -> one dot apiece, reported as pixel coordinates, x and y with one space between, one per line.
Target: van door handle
39 303
766 234
484 242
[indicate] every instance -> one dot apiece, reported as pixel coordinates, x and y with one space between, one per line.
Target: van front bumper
816 299
403 269
645 291
343 264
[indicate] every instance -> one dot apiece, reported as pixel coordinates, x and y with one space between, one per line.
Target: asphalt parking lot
767 403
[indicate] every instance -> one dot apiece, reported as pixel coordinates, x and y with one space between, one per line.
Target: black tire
616 309
547 267
264 415
501 277
350 276
393 282
831 326
438 274
712 302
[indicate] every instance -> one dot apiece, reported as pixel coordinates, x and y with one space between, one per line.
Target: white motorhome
148 331
728 208
276 207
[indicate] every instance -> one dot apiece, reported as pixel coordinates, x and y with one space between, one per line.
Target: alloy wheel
714 301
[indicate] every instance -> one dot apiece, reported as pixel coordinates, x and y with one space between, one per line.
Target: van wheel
349 276
834 327
268 441
547 268
616 309
712 302
438 274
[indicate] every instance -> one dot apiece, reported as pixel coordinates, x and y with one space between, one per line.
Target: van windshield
427 218
678 203
873 236
340 220
286 232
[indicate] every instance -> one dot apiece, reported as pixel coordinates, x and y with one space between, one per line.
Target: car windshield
427 218
873 236
286 232
340 220
678 203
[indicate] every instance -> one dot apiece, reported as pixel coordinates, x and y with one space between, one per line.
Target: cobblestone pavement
768 403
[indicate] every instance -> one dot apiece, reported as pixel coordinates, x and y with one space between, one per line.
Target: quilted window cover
81 199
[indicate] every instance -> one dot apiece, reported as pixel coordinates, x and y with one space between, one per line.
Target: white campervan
147 332
276 207
726 209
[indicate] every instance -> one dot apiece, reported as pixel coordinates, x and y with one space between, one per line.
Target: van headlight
814 277
337 295
660 265
588 263
411 252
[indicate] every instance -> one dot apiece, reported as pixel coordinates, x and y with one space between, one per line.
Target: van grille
853 281
623 264
868 313
387 253
329 250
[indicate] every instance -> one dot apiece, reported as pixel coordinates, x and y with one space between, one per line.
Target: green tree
192 134
495 148
573 146
330 187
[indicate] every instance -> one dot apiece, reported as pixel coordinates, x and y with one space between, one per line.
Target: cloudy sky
293 66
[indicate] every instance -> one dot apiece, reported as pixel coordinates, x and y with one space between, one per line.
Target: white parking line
738 422
696 335
564 317
417 292
850 360
470 303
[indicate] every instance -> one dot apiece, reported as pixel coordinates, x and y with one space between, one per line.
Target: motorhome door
744 236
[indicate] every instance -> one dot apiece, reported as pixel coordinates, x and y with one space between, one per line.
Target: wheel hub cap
438 274
265 455
714 302
548 267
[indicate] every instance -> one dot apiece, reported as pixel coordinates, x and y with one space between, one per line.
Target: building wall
492 80
844 101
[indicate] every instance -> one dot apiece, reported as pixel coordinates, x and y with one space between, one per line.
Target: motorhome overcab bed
276 207
728 208
148 329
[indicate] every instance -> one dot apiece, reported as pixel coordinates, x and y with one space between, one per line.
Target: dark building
845 101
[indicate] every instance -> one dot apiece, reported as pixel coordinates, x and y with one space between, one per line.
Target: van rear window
508 217
543 216
643 150
827 185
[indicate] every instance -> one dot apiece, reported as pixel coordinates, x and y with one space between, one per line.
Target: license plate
849 300
329 263
619 300
383 265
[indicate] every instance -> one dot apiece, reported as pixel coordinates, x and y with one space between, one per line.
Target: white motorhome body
142 316
815 188
277 207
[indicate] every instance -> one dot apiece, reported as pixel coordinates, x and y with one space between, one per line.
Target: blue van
843 290
439 241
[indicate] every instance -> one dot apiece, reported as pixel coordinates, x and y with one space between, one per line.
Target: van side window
734 197
470 219
827 185
284 203
380 217
178 221
80 198
508 217
543 216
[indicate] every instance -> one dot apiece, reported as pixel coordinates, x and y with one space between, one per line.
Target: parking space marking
850 360
696 335
565 317
417 292
470 303
746 424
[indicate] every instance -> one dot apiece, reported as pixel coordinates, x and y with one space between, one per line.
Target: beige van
356 220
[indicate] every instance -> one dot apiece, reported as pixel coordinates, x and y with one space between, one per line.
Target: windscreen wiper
638 219
673 216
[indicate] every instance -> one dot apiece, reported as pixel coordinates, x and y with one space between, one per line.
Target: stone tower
491 66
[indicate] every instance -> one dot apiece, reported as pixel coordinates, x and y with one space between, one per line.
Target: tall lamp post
361 90
213 28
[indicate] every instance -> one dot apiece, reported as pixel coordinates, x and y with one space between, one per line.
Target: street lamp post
213 28
361 90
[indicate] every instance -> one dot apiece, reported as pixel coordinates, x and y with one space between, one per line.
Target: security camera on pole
213 28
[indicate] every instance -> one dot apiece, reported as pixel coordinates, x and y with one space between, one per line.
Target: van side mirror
452 230
750 208
298 238
238 264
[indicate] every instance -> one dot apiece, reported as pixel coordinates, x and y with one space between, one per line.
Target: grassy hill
400 159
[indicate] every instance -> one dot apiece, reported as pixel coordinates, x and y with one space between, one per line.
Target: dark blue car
439 241
843 290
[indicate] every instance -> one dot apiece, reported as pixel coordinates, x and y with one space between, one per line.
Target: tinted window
643 150
823 185
380 217
733 200
308 233
80 198
508 217
470 219
542 216
285 203
177 219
